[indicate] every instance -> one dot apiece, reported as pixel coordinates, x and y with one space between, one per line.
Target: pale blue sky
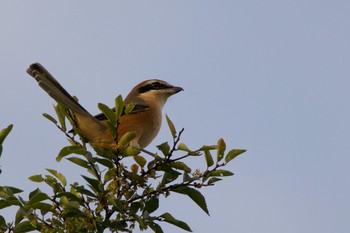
268 76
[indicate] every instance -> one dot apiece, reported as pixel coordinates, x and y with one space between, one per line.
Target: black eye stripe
152 86
156 85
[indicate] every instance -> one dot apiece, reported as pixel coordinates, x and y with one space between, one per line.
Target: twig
175 142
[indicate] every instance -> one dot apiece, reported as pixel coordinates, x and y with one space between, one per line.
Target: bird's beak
174 89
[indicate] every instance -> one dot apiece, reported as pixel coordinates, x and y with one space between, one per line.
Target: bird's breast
146 124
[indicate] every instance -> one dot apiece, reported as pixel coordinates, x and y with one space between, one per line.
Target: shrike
145 119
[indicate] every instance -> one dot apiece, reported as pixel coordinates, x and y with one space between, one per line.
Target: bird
145 119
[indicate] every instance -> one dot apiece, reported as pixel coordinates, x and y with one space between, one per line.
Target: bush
115 196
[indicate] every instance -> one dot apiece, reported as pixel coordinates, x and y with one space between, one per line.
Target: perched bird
145 119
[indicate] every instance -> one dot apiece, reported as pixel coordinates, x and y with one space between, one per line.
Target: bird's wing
140 107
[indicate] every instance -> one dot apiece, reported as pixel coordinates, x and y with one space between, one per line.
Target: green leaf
2 223
4 193
118 204
43 207
129 108
70 150
131 151
220 173
60 112
37 198
3 135
24 227
140 160
187 177
114 226
19 215
59 176
194 194
155 227
112 119
105 162
50 118
164 148
89 157
70 196
167 217
37 178
166 168
4 204
126 139
79 162
181 166
204 148
152 204
107 112
112 129
105 153
134 207
31 194
73 212
51 181
213 180
233 154
4 132
169 177
10 190
183 147
10 201
110 174
208 158
82 190
94 184
119 106
221 149
171 126
140 221
66 203
135 178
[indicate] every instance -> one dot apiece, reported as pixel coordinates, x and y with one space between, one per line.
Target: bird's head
154 90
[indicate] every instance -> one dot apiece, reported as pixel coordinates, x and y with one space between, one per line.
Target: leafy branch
122 187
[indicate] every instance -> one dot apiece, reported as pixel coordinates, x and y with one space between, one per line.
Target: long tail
47 82
87 125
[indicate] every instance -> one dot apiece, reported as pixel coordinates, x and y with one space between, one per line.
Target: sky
270 76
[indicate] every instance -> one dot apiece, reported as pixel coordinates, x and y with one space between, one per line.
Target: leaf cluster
121 188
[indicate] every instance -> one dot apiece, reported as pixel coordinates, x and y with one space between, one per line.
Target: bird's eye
156 85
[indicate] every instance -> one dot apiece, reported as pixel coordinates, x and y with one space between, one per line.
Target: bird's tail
87 125
47 82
